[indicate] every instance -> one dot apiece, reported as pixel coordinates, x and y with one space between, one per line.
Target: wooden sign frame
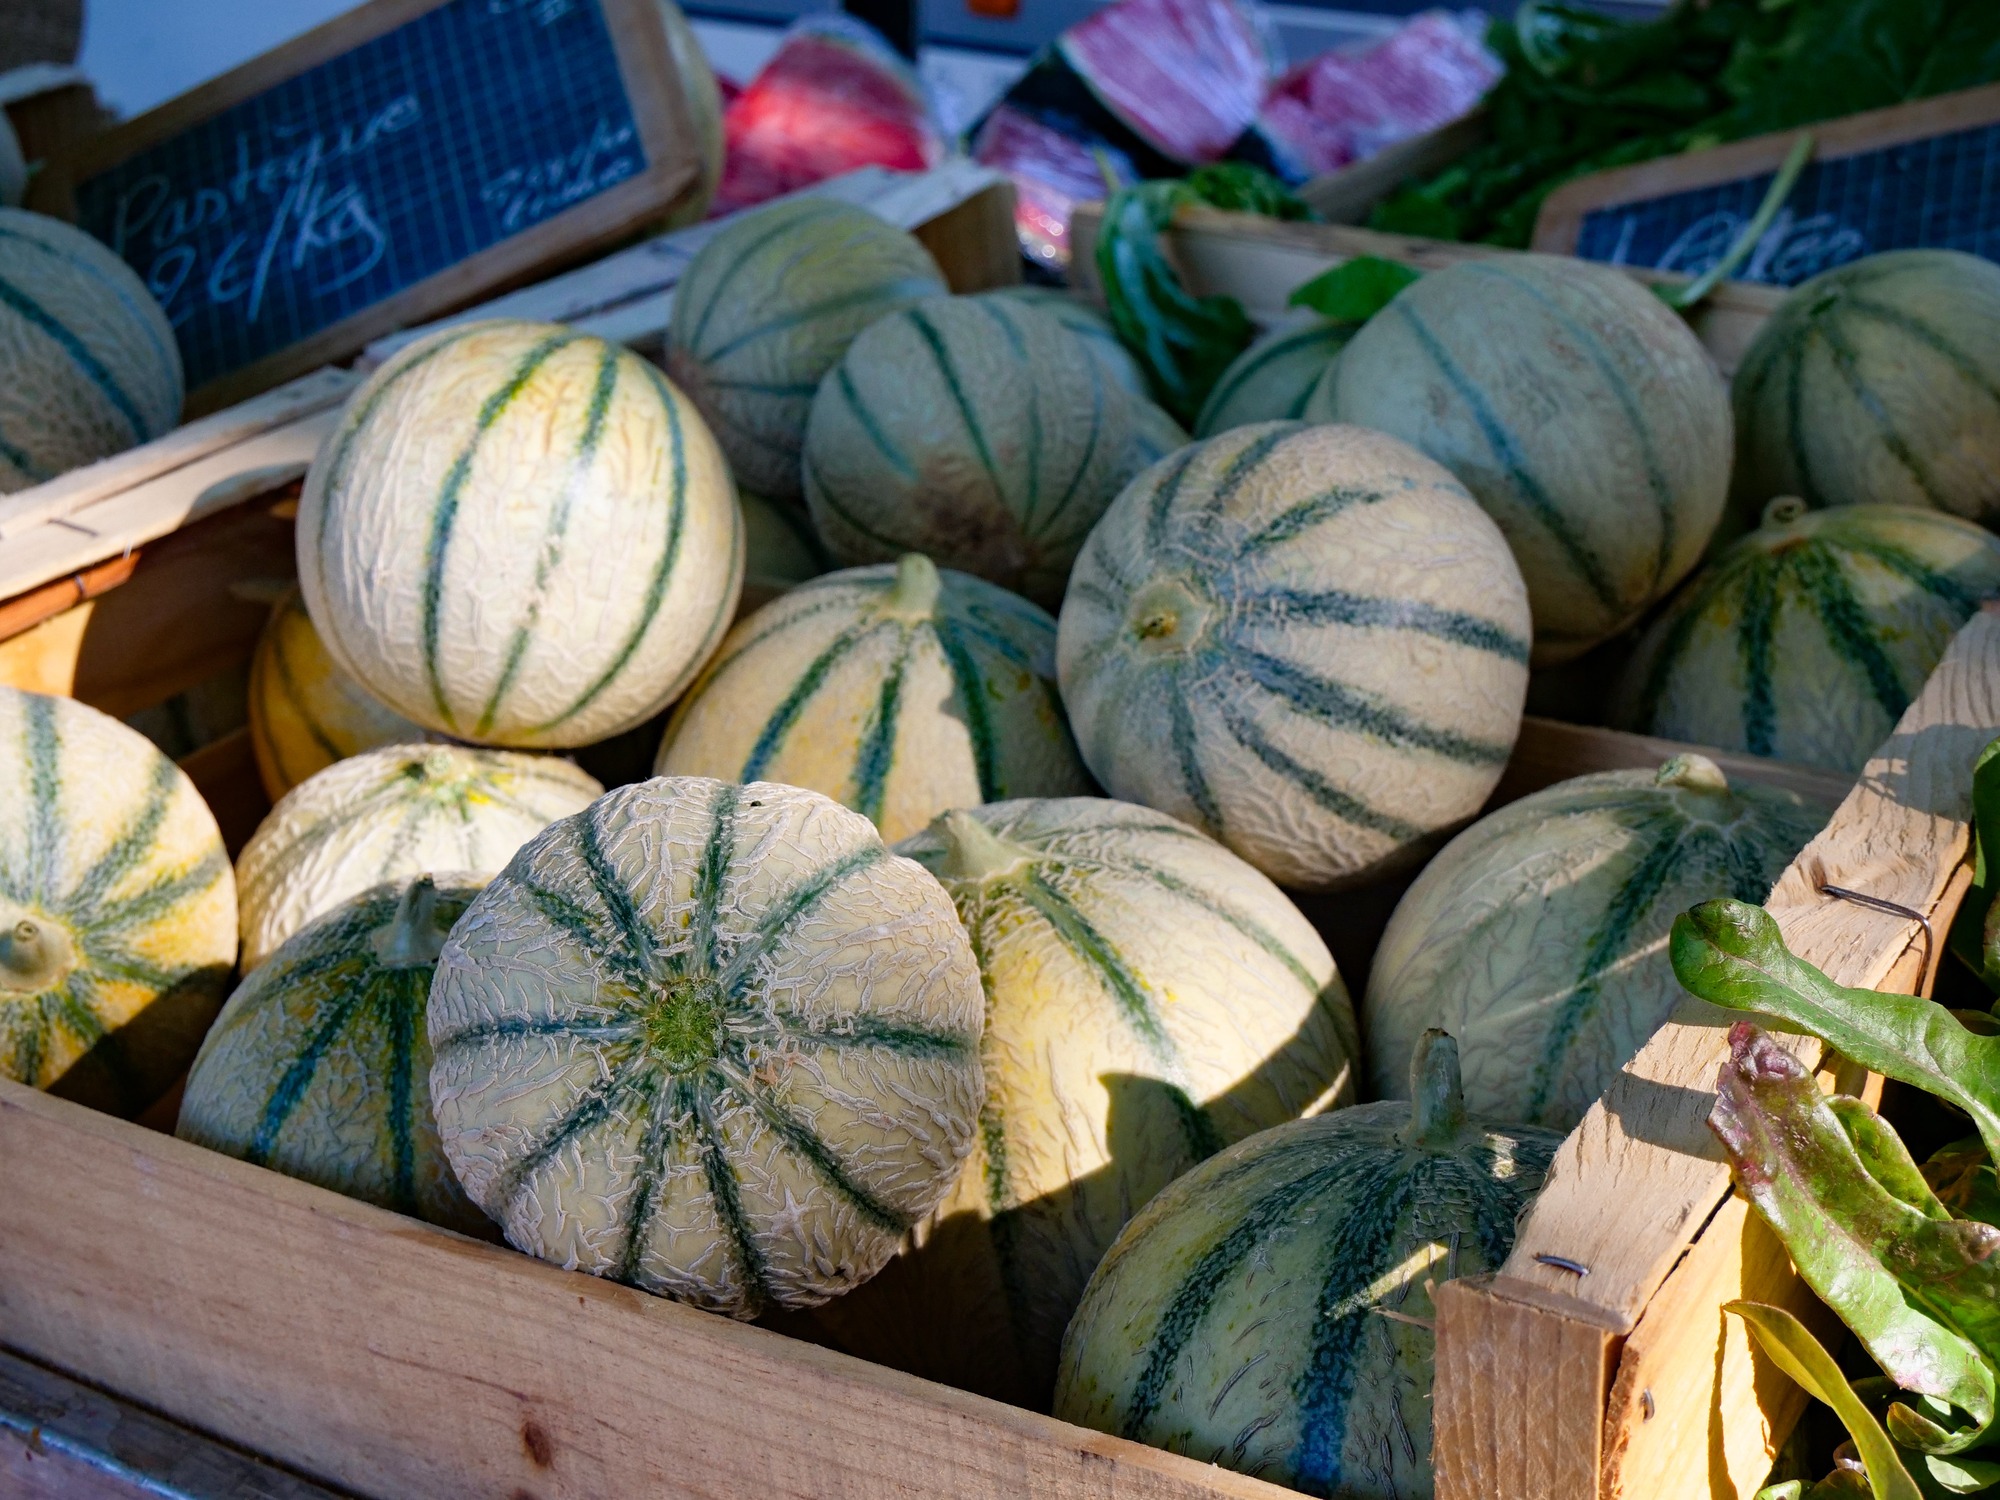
660 112
1559 226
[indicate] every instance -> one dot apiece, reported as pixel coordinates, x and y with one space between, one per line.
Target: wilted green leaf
1793 1349
1922 1294
1355 290
1731 954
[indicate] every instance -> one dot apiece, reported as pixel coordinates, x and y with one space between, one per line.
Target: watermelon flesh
1186 76
833 97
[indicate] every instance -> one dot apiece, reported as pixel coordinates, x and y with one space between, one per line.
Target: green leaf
1922 1294
1885 1157
1793 1349
1355 290
1961 1476
1731 954
1244 189
1963 1178
1975 933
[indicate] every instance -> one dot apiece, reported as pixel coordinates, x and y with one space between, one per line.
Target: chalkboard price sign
407 158
1922 176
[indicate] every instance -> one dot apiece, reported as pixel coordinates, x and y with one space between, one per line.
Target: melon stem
914 594
412 938
1694 773
975 853
34 956
1437 1100
1786 510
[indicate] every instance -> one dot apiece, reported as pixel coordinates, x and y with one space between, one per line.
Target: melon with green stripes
780 551
768 307
1577 407
898 691
744 1061
117 907
1538 937
305 713
1807 639
701 96
390 813
319 1065
1878 383
1272 380
1150 998
520 535
1272 1310
92 366
1088 324
1309 642
977 431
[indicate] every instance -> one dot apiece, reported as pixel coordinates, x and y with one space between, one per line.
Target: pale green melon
1309 642
1272 1310
1808 638
319 1065
1149 999
520 535
1578 408
974 431
1538 937
1878 383
780 551
1088 324
768 307
897 691
88 362
117 908
389 814
1274 378
703 98
712 1040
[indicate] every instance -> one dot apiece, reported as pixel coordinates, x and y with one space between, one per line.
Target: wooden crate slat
1645 1147
398 1360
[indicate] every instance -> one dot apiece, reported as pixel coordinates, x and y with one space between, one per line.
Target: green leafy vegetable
1975 935
1793 1349
1355 290
1183 341
1584 92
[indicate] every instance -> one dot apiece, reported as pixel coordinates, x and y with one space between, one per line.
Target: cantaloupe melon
1088 324
1309 642
319 1065
1577 407
1273 379
1808 638
1878 383
1150 998
1271 1311
117 908
897 691
780 551
1538 937
88 362
389 814
975 431
520 535
768 307
305 712
703 97
745 1058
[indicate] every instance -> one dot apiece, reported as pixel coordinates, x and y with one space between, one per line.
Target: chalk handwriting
527 195
547 12
1792 250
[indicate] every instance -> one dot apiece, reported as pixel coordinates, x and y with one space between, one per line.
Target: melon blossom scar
313 221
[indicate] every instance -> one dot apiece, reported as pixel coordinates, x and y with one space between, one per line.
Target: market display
1537 938
768 307
1308 642
117 907
319 1065
898 691
390 814
1270 1311
970 430
1807 639
1579 410
745 1063
92 368
305 712
1150 999
1877 384
520 535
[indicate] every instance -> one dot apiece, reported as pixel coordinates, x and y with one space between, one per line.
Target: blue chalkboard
1942 193
292 210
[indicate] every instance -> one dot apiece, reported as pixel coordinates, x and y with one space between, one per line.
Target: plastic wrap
833 97
1053 169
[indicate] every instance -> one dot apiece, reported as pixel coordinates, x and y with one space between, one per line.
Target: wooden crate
386 1357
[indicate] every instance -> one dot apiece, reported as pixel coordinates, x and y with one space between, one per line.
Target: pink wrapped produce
1186 76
